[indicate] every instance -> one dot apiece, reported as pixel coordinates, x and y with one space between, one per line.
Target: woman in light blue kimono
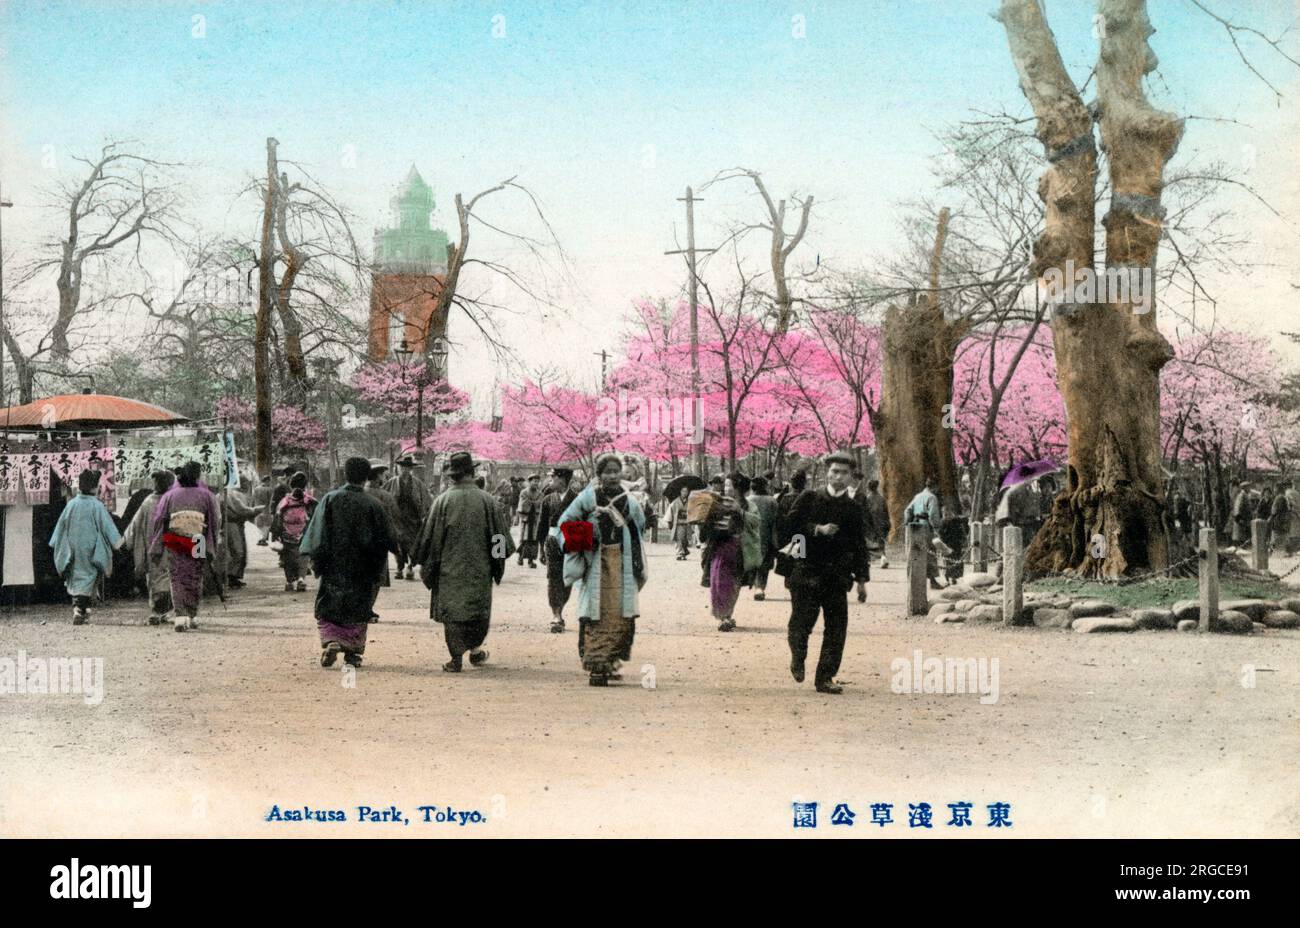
608 577
83 541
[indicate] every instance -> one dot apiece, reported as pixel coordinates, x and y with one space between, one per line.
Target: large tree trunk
69 288
911 425
1108 357
24 373
916 383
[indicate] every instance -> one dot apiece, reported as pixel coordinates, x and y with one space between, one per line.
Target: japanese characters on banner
136 458
232 460
25 472
25 477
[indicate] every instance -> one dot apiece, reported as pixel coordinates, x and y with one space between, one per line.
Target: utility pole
4 397
262 336
604 355
690 200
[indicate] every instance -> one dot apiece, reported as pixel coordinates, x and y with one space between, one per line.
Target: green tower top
412 246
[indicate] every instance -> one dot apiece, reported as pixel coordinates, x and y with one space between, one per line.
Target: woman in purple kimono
186 523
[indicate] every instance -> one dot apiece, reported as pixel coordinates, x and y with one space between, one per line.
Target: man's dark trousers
828 597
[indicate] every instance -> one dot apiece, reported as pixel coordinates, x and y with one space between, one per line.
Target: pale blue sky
606 110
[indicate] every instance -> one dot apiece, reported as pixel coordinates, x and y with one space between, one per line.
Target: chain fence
1232 565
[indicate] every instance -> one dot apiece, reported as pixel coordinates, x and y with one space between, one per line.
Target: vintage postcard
667 419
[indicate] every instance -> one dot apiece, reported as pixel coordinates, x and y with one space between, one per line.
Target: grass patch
1160 592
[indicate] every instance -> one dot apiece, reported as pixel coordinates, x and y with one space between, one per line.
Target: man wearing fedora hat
554 503
530 505
463 547
413 500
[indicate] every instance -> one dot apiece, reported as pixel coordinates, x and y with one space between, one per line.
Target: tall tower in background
410 267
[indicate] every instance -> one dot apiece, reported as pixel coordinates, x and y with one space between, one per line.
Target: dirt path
1150 734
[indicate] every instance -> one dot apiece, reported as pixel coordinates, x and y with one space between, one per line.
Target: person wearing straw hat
413 500
463 546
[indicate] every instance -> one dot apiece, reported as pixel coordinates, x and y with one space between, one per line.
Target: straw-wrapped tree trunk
1108 354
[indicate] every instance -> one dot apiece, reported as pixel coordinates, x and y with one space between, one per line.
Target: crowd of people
588 534
1277 504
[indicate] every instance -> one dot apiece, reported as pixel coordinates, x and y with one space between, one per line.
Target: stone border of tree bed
976 600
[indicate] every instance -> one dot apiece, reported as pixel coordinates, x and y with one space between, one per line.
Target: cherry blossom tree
293 431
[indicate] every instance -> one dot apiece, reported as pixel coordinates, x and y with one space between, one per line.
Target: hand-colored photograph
667 419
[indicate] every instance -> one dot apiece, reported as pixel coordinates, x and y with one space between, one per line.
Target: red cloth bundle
578 536
180 544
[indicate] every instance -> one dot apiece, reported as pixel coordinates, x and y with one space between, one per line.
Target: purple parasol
1027 471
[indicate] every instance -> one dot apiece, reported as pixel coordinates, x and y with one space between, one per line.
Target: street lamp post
439 355
404 354
423 376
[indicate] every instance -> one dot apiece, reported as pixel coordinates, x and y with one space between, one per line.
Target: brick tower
410 267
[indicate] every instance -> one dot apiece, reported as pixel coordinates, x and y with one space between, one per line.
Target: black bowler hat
462 462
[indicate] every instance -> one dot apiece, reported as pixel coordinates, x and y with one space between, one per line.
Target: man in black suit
830 527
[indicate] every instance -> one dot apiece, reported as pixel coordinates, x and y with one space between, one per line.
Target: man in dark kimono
530 506
463 547
348 540
554 503
829 526
413 501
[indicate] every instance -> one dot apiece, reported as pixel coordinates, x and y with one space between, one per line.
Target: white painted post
1259 544
1209 578
917 601
1012 576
